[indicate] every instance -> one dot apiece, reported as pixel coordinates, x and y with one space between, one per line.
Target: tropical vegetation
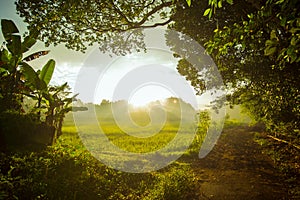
255 45
32 111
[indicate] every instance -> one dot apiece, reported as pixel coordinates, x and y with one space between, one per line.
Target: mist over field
169 110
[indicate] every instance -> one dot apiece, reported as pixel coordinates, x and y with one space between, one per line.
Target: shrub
177 183
22 132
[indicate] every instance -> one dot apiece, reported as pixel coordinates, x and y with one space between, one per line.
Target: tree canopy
260 56
256 48
254 43
82 23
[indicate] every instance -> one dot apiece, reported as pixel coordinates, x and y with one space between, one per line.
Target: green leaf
220 4
207 11
290 51
41 85
279 1
6 59
250 16
270 50
30 74
210 14
229 1
283 21
5 56
189 2
32 78
270 43
273 35
294 30
47 71
14 45
294 41
28 42
293 58
8 29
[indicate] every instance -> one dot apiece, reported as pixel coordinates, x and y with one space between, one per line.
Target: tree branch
284 141
120 12
157 24
154 10
150 4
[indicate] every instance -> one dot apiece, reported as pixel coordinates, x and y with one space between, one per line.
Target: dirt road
237 169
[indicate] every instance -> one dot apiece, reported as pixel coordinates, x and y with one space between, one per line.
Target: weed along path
237 169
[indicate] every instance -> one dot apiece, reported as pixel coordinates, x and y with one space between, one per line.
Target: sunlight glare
149 93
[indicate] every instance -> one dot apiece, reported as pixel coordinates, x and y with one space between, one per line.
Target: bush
22 132
177 183
68 171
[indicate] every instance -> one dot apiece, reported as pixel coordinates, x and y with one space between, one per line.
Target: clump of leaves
178 182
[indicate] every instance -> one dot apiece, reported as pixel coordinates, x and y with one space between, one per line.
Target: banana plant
19 79
23 79
12 66
59 103
38 81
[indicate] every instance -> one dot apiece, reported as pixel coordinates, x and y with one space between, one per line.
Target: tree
82 23
257 53
264 47
254 43
105 102
78 24
256 50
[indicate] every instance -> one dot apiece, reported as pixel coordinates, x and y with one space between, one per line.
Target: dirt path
237 169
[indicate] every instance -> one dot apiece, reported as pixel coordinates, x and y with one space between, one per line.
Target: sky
139 77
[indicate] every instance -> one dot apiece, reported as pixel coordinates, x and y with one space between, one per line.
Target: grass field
106 140
71 169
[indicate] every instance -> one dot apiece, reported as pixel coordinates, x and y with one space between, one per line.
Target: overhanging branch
157 24
153 11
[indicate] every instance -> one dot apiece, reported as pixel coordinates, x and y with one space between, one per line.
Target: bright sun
146 94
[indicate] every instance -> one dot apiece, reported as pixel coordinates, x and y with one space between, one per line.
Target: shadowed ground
237 169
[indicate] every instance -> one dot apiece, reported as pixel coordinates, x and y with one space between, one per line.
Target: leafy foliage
255 46
286 157
20 83
254 43
265 73
177 183
80 23
66 170
256 56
